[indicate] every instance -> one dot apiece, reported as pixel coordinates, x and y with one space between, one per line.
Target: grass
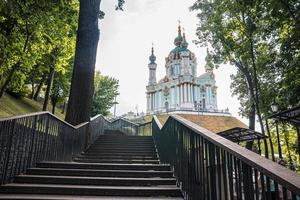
11 106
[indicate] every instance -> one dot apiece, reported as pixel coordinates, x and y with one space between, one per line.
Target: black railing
28 139
131 128
210 167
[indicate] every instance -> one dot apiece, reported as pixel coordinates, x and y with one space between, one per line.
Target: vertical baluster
206 170
230 163
256 184
218 169
263 187
225 176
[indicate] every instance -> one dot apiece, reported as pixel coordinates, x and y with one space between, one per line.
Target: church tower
152 68
181 89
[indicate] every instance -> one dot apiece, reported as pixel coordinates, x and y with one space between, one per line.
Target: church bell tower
152 68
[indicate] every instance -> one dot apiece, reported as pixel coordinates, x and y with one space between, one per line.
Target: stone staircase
114 167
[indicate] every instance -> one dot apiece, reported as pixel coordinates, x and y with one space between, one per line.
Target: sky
125 44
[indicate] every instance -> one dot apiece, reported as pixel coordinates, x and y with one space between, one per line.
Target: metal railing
210 167
131 128
28 139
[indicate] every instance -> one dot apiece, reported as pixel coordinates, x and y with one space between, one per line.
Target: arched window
172 70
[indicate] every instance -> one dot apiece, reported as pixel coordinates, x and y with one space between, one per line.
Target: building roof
241 135
215 124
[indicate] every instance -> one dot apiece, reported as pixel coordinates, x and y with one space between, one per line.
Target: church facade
181 89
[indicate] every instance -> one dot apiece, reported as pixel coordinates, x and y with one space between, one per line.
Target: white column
183 92
187 92
147 102
192 93
181 95
154 96
173 96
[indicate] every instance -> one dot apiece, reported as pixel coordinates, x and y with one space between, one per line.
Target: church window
172 71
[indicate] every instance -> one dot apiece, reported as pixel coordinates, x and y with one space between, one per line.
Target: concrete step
15 188
124 145
74 197
99 160
103 181
127 143
102 153
154 157
126 136
121 150
99 173
104 166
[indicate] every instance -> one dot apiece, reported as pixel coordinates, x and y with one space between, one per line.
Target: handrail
41 113
160 126
22 116
188 146
31 138
124 119
273 170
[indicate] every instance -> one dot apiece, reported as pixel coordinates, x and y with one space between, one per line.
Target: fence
130 128
210 167
28 139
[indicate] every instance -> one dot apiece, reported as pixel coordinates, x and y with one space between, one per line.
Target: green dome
178 40
179 49
152 58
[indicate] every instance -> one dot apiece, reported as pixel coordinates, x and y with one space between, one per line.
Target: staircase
114 167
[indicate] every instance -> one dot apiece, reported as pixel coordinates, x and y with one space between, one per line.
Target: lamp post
115 106
275 108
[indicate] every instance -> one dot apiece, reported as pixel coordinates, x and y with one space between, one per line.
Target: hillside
11 106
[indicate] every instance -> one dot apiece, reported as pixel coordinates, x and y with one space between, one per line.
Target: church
181 90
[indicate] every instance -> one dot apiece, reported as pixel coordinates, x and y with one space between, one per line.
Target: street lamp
115 106
274 107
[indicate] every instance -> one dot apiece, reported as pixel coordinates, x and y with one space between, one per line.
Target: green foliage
261 38
60 89
29 33
106 89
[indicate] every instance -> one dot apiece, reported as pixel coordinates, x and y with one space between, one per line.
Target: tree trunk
82 85
251 125
48 90
39 88
53 107
63 108
32 88
9 78
250 85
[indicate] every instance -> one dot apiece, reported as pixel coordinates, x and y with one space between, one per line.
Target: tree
106 89
247 35
29 31
60 89
79 109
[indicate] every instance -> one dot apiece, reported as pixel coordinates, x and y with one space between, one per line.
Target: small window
172 71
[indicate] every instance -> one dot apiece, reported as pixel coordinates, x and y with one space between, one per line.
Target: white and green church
181 90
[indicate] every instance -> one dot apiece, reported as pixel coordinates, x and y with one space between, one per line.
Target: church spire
179 38
184 43
152 58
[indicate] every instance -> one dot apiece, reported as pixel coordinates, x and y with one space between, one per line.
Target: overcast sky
125 47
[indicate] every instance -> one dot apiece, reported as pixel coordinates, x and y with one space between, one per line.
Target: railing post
8 151
87 135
